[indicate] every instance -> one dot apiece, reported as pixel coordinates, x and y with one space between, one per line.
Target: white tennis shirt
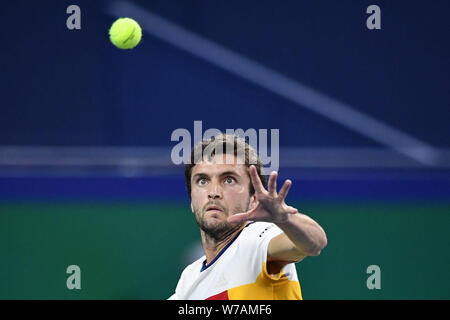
239 271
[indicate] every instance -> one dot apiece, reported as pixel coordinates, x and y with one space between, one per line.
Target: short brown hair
218 145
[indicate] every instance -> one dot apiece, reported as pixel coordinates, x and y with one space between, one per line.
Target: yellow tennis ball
125 33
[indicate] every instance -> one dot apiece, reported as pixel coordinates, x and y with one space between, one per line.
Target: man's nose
215 192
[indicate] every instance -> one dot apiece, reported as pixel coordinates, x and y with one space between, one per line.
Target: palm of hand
270 207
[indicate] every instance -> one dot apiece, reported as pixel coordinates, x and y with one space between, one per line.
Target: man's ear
192 208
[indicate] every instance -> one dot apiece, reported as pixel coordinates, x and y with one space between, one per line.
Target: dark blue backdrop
72 87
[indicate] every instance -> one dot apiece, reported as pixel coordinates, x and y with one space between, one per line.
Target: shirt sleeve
256 243
174 297
178 295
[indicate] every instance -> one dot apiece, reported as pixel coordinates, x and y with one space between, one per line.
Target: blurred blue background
85 138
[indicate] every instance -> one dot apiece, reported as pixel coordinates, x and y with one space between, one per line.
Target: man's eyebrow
200 175
230 173
222 174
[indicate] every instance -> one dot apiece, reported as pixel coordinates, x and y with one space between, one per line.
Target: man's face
218 191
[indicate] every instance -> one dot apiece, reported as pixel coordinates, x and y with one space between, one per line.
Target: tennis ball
125 33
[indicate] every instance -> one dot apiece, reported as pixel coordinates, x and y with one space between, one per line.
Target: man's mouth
213 208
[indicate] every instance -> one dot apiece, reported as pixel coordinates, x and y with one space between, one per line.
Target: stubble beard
218 231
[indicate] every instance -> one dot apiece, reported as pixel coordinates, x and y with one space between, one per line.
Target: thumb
292 210
239 217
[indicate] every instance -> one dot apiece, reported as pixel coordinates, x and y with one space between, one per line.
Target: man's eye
229 180
202 182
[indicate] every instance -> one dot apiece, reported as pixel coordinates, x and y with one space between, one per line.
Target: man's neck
212 247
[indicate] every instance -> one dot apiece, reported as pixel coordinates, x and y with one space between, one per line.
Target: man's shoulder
257 235
194 266
260 229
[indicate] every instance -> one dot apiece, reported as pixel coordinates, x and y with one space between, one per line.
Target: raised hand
271 206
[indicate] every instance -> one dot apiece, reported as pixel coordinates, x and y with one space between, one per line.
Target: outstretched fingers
284 190
256 181
272 184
